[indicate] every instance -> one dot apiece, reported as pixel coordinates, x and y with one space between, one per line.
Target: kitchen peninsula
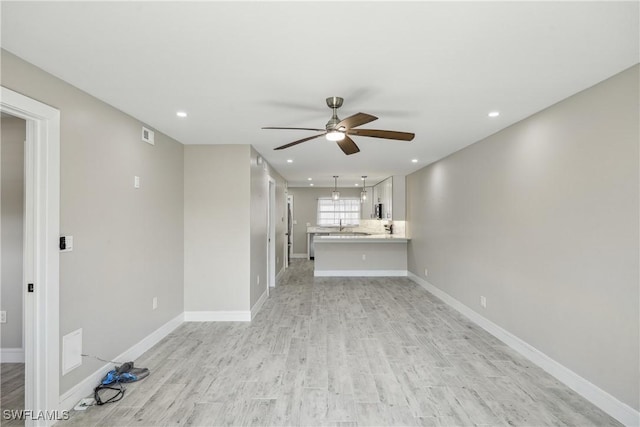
360 255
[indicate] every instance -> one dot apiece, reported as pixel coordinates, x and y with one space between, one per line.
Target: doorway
12 368
289 245
39 283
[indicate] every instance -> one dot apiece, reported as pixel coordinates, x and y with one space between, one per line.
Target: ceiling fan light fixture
341 131
335 135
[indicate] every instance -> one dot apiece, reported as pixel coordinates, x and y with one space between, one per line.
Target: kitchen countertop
372 238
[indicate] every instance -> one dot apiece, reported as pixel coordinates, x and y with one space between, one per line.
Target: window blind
330 212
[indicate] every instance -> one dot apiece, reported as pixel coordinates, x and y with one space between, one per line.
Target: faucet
341 227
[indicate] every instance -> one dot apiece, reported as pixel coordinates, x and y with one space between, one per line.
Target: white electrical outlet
3 316
136 182
154 303
426 272
483 302
364 257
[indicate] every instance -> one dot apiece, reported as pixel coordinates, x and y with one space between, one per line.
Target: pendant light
363 193
335 194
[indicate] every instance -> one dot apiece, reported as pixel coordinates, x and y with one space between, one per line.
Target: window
330 212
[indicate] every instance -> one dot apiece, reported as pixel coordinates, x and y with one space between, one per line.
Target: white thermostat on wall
147 135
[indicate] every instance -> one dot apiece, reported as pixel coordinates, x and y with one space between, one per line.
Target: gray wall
225 211
281 221
305 210
259 207
128 243
11 226
542 219
390 255
216 227
258 221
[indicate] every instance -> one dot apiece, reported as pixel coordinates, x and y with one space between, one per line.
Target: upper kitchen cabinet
391 193
366 208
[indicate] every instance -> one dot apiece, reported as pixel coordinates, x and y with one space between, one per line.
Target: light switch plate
3 316
68 243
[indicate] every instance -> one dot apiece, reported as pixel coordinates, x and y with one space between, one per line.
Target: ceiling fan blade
272 127
358 119
386 134
291 144
348 146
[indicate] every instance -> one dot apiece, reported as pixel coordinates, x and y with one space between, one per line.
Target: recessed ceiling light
494 114
289 160
309 179
356 184
414 160
181 114
311 185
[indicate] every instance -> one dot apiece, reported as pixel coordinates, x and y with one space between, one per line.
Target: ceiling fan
340 130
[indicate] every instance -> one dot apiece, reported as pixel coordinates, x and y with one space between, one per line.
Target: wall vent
147 135
71 351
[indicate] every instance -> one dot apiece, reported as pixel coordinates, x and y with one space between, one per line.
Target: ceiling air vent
147 135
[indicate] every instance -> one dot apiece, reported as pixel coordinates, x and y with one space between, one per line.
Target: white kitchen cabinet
391 193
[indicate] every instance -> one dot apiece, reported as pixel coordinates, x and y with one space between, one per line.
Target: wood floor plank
345 352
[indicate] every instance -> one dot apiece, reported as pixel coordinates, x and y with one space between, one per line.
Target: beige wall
216 227
542 219
11 226
128 243
305 210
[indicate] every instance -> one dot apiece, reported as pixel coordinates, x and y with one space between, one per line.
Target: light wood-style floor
11 391
342 352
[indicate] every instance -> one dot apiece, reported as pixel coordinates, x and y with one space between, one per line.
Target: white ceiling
433 68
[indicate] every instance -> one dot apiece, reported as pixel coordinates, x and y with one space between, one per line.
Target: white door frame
41 253
271 234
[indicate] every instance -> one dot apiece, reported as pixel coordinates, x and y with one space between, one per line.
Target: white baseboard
86 386
258 305
217 316
12 355
299 256
360 273
280 274
594 394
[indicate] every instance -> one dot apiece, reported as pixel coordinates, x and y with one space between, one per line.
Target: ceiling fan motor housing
334 102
